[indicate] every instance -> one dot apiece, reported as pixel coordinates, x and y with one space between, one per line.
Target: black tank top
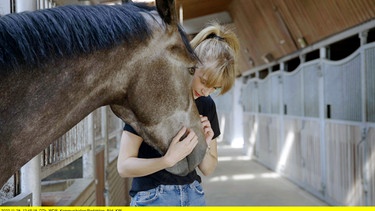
206 107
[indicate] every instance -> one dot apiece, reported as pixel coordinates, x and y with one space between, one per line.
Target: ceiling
198 8
271 29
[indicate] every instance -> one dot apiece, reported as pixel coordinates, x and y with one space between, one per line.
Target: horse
58 65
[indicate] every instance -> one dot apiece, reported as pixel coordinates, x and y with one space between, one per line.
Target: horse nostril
184 136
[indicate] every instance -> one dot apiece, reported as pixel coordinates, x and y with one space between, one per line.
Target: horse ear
167 11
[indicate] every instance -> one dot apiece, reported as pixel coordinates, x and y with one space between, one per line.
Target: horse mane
32 38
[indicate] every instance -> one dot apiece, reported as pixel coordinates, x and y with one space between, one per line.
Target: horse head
158 101
130 57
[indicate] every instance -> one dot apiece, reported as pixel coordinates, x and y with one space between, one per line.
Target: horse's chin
181 168
188 164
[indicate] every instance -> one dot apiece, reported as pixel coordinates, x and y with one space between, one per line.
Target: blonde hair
217 47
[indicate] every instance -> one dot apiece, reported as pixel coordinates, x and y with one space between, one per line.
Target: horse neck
41 105
51 100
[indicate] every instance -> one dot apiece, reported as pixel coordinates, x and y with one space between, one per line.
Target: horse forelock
186 42
31 38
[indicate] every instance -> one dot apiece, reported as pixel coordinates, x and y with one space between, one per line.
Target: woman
152 185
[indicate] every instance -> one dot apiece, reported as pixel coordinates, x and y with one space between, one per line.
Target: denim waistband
177 187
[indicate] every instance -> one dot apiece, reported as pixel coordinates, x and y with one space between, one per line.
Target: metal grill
342 86
249 96
275 94
292 93
311 90
264 96
370 83
269 96
65 149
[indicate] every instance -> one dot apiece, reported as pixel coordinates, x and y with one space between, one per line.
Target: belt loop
161 189
191 185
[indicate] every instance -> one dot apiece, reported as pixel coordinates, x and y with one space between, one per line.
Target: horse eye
192 70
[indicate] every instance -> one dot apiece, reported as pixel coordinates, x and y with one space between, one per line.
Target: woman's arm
129 165
209 162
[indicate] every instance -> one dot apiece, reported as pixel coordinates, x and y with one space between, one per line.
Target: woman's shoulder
206 106
205 100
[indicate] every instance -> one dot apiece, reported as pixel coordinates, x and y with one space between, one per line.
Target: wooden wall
196 8
275 26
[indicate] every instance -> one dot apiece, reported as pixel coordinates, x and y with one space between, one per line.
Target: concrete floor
239 181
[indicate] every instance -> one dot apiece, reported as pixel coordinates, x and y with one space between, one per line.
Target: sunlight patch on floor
270 175
232 158
238 177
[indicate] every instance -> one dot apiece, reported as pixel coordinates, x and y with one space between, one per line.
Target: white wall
4 7
22 5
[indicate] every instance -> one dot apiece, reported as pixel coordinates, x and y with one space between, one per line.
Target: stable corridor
239 181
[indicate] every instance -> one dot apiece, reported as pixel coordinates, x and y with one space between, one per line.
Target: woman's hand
179 149
208 132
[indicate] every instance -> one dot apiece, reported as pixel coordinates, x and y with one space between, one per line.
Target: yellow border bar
214 208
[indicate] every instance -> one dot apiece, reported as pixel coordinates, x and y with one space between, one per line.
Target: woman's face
199 87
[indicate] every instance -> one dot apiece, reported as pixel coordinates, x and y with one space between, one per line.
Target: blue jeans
171 195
